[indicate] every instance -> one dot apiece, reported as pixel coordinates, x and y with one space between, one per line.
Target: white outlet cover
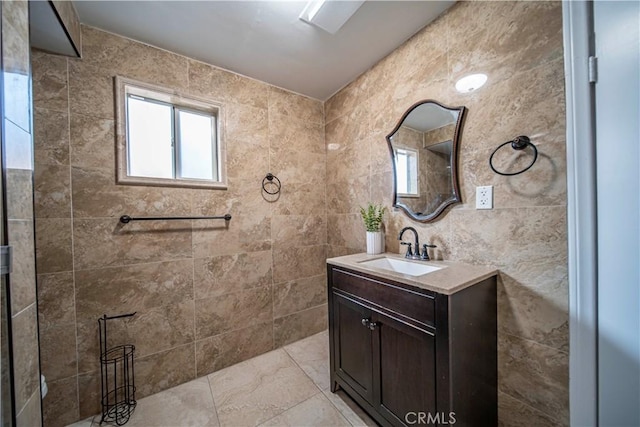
484 197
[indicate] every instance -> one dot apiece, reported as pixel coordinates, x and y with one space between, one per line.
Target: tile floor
285 387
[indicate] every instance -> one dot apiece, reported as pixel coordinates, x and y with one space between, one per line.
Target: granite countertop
451 278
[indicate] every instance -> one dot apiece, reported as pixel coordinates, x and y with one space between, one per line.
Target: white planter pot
375 242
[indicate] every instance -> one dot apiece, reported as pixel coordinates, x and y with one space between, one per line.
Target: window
167 139
406 171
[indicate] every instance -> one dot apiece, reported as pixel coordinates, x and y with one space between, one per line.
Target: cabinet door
352 344
404 371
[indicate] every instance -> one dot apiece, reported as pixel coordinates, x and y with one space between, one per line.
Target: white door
617 122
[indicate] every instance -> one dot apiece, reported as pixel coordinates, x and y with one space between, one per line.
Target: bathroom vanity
414 348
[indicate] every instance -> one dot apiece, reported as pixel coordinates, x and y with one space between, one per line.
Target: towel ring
269 179
520 143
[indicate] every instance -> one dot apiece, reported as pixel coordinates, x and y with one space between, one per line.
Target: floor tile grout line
314 383
213 399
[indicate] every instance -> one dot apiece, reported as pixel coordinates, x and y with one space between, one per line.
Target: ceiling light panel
329 15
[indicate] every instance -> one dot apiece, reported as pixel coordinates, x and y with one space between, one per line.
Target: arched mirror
424 151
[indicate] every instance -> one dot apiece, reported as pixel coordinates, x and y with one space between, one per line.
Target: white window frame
125 87
417 153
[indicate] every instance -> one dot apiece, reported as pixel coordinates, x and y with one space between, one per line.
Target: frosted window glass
196 148
150 139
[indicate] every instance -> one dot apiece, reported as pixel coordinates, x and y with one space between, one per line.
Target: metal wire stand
118 390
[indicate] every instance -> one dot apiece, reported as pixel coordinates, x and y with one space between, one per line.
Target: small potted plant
372 217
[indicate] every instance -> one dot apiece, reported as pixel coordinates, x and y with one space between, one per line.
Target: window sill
163 182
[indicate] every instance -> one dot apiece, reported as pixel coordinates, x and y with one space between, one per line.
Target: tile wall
206 295
18 206
519 46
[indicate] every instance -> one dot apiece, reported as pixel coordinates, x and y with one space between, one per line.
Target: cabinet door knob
372 325
365 323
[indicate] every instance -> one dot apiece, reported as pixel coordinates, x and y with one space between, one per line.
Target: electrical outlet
484 197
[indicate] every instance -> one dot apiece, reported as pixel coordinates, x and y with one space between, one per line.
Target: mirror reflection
424 152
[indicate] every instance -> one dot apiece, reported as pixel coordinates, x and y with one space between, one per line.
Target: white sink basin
400 266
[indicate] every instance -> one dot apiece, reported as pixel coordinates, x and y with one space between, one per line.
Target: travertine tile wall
206 295
18 203
519 46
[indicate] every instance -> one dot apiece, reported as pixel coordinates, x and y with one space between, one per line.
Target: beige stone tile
248 231
164 370
151 330
294 106
346 197
347 162
300 294
336 251
300 199
520 36
298 262
298 230
91 90
52 193
23 276
96 195
15 37
95 242
246 123
258 389
350 129
30 415
247 160
382 189
50 82
534 374
228 312
299 325
286 134
133 59
92 142
25 355
89 393
291 165
106 242
538 313
349 409
51 137
19 188
503 237
316 411
56 301
312 355
53 245
347 230
220 351
231 273
126 289
187 404
58 357
381 159
512 412
222 85
60 405
345 101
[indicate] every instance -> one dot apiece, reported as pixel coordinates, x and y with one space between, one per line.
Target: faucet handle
425 253
409 252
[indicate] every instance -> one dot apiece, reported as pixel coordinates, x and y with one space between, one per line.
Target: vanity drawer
407 303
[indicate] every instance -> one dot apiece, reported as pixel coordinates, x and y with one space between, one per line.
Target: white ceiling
265 39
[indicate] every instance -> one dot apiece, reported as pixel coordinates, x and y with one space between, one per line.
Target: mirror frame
454 163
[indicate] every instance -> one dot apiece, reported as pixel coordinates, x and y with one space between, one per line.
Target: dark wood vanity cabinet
410 356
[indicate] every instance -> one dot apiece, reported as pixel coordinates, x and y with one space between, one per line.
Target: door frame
581 212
